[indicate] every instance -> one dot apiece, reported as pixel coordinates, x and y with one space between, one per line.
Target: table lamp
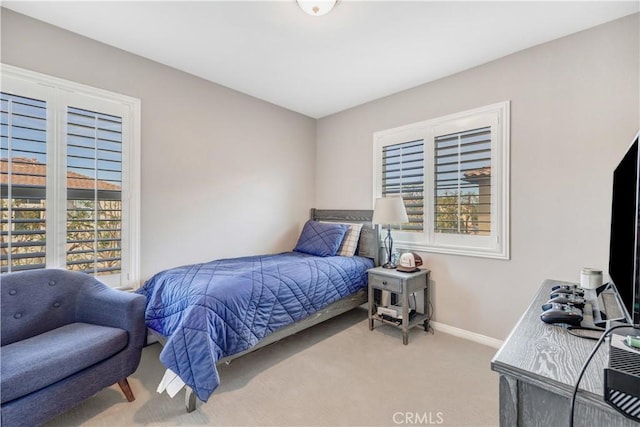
389 211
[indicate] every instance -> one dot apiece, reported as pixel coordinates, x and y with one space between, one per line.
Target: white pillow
350 242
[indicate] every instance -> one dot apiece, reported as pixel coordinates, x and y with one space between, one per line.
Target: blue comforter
216 309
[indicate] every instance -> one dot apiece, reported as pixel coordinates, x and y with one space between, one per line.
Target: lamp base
389 265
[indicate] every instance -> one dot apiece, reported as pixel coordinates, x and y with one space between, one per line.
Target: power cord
427 323
584 368
428 311
586 333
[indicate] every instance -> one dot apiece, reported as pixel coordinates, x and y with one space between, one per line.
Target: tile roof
478 173
30 172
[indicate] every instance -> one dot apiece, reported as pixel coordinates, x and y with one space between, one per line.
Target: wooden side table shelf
401 284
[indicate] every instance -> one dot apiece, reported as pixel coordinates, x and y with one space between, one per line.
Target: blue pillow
320 238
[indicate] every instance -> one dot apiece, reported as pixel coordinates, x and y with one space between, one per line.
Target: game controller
553 288
577 291
567 291
572 299
555 313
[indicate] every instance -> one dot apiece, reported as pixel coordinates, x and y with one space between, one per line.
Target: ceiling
317 66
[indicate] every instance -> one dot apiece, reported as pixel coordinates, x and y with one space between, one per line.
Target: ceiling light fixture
316 7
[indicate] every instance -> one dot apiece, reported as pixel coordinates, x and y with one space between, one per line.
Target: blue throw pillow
321 239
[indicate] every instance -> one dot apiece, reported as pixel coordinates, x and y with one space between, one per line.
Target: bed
211 313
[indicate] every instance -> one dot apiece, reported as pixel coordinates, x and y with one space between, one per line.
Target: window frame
59 94
497 244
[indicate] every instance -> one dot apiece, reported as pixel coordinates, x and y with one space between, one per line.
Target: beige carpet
335 374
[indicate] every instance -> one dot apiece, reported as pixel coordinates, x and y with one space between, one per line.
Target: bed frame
368 246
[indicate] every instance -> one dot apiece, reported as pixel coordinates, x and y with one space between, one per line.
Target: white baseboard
471 336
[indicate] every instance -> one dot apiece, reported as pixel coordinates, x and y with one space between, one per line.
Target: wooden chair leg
126 389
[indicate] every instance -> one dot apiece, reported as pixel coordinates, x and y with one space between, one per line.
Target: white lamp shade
316 7
389 210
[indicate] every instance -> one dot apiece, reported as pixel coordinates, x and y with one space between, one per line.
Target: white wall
223 174
574 109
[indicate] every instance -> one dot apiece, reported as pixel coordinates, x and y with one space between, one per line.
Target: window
94 192
403 174
69 192
453 175
23 168
462 180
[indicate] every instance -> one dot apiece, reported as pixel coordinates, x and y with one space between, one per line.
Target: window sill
447 250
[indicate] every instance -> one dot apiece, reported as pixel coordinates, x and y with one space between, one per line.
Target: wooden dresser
538 365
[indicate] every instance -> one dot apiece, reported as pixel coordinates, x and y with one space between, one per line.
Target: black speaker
622 375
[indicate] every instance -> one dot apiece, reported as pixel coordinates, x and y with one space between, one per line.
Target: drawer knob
384 282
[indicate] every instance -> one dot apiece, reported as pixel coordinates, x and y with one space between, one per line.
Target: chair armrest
100 305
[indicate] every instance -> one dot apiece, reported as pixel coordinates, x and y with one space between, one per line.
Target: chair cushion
39 361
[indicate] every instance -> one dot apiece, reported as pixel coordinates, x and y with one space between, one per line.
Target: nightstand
401 284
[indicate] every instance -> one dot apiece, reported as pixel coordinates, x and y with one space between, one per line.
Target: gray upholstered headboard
368 245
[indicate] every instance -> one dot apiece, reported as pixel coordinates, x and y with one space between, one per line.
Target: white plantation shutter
70 194
94 191
462 196
403 174
453 174
23 166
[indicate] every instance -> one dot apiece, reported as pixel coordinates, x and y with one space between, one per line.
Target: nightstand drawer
391 284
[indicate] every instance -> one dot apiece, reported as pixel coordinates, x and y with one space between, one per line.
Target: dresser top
548 355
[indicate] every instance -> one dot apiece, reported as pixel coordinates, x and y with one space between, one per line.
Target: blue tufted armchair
65 336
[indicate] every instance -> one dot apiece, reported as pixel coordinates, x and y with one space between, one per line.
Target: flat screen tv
624 249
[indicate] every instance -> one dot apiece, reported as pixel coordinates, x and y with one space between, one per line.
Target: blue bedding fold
220 308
